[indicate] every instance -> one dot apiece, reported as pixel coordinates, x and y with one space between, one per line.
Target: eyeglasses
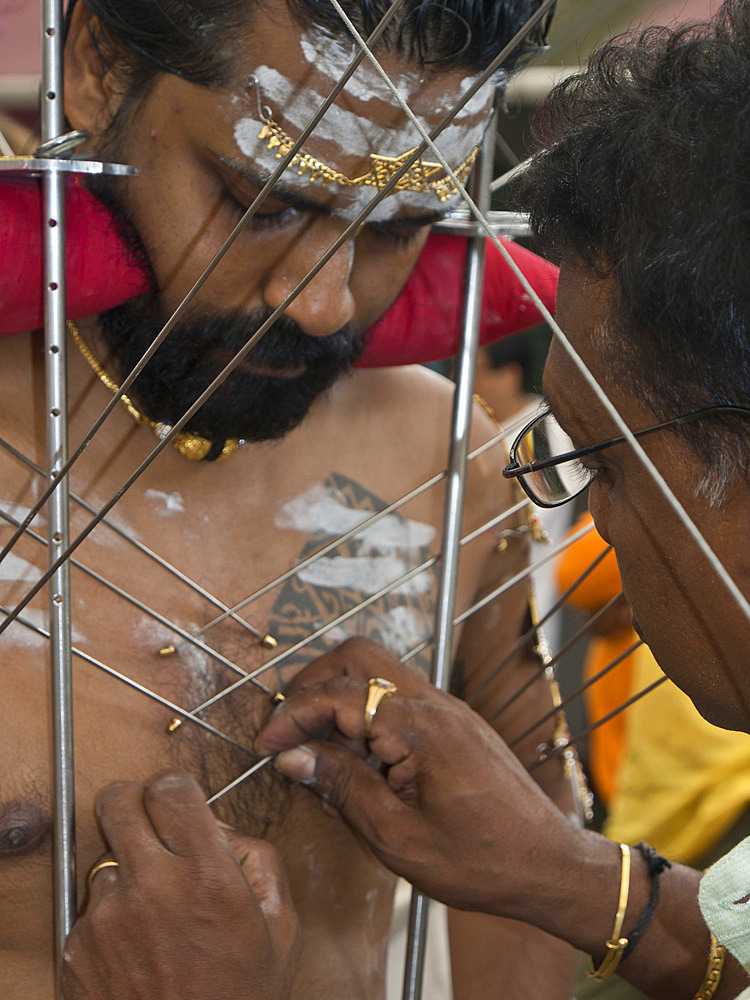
550 470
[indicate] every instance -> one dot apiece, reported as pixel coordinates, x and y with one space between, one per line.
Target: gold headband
420 176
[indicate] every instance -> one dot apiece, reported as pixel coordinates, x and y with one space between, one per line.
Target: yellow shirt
683 782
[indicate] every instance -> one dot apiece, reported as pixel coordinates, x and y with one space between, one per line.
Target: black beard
248 405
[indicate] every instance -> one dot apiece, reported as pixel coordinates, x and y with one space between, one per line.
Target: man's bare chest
187 618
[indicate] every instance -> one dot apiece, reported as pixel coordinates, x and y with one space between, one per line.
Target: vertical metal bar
53 193
453 512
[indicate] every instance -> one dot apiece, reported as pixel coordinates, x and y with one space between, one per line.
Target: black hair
193 39
643 175
527 348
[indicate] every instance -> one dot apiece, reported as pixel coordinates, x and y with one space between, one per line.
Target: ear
91 99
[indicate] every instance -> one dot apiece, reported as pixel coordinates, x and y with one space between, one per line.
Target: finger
357 790
176 807
359 659
262 867
100 880
125 824
338 704
335 703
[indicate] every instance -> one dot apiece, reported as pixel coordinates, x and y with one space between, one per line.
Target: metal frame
53 172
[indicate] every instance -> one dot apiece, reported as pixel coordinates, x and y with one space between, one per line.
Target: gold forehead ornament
420 176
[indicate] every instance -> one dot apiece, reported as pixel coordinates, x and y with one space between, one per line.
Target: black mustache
283 345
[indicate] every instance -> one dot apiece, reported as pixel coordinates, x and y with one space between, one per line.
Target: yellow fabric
683 783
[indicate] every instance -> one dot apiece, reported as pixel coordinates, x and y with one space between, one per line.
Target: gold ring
378 688
106 863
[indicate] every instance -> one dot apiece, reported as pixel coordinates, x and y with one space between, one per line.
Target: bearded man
199 98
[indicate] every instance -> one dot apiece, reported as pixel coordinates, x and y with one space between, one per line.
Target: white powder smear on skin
365 574
322 509
383 549
165 504
349 132
15 569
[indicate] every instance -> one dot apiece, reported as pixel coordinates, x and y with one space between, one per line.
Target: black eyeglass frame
515 471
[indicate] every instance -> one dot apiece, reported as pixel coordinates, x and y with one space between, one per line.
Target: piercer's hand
452 809
192 910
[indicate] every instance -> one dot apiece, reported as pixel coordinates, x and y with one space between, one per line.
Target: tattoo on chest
360 571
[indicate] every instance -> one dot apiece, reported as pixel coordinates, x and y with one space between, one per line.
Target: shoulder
414 407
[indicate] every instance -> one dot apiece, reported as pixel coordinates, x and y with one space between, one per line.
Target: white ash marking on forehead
331 57
350 133
358 134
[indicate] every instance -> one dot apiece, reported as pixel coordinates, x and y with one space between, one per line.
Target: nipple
23 827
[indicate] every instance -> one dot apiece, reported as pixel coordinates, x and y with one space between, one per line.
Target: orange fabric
605 743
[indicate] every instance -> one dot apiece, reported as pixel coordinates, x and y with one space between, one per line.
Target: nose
326 303
599 509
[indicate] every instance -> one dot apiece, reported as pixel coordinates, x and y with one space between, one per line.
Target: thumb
347 783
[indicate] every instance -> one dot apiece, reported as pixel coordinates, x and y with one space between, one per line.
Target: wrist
576 893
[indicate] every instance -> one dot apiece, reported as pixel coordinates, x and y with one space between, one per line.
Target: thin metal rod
334 622
353 532
522 575
453 514
372 599
529 633
148 611
129 682
578 692
571 743
552 661
59 601
238 781
138 545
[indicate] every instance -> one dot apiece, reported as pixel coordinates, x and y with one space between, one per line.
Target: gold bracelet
714 969
616 944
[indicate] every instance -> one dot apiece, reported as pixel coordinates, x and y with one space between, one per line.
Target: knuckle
114 795
172 784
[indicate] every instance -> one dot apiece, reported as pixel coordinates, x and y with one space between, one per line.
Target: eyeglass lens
546 439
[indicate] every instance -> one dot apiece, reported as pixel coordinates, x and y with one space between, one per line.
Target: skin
450 808
697 633
164 836
369 440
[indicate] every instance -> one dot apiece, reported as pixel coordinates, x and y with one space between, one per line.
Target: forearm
576 900
492 957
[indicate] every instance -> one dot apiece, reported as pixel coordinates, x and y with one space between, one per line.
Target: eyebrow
259 177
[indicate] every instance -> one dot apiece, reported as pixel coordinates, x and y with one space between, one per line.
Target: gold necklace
190 446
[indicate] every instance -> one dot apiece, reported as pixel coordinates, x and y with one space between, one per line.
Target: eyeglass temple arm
513 470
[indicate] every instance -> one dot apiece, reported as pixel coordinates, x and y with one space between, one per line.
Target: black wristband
656 865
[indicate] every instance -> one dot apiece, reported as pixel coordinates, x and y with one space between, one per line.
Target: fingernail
298 763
